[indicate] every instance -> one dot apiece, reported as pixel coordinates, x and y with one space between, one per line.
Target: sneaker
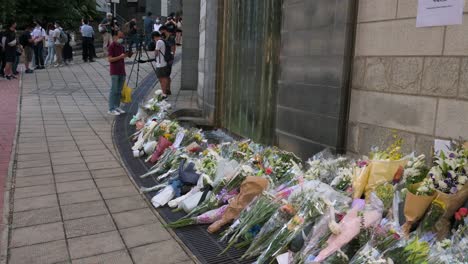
28 71
120 110
113 112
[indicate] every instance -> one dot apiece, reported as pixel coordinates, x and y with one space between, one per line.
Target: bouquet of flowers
449 175
343 179
351 225
415 170
317 237
418 199
278 220
324 167
206 218
413 251
384 166
309 211
436 211
251 220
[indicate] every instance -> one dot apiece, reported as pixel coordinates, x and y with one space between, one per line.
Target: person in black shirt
171 25
26 41
9 45
132 34
68 50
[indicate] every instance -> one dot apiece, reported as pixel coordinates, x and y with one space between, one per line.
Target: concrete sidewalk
71 200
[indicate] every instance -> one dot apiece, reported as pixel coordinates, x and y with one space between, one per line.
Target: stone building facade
410 80
351 74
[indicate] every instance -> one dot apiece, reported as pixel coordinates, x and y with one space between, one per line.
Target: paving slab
134 218
79 196
165 252
89 225
117 257
146 234
50 252
25 236
85 209
36 217
34 180
35 203
126 204
87 246
32 191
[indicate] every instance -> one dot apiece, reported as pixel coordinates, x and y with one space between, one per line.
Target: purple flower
453 190
452 155
449 175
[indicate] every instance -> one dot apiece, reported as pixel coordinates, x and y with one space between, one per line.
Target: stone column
190 54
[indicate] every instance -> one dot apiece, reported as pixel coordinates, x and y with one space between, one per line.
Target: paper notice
439 13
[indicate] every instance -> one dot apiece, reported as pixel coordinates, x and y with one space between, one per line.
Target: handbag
126 94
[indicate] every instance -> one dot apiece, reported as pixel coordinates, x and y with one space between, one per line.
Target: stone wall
407 79
207 58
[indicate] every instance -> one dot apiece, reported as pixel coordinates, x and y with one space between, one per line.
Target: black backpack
168 57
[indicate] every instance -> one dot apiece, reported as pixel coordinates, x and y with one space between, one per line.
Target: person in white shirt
50 45
157 24
59 43
38 36
162 68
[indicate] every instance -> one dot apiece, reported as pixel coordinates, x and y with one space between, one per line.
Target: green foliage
69 12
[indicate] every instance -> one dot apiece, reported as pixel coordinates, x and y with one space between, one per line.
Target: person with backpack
169 39
60 39
163 57
26 41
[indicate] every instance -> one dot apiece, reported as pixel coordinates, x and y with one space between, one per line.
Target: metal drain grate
206 247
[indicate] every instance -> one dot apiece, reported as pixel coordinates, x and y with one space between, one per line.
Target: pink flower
458 216
463 211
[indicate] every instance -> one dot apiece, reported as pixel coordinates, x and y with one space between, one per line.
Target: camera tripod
137 60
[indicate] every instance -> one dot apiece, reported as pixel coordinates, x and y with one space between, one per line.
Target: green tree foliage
69 12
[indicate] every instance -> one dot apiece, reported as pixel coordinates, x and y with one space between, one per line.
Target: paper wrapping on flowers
452 203
250 188
374 174
350 226
163 197
416 206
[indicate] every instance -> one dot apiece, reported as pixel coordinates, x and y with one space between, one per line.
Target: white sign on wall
439 13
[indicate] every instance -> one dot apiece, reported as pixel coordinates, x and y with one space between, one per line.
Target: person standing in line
179 32
87 33
9 44
50 45
60 39
2 55
169 40
68 50
116 58
38 36
162 68
132 33
106 27
157 24
148 27
26 41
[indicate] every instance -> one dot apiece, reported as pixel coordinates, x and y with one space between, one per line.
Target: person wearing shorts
162 67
